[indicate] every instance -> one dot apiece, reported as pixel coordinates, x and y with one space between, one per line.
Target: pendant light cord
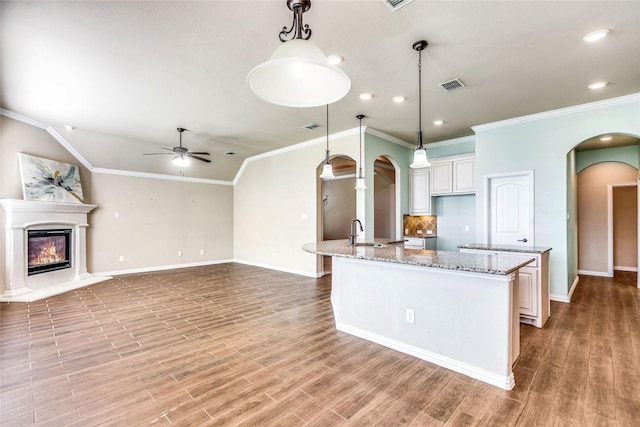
327 155
420 95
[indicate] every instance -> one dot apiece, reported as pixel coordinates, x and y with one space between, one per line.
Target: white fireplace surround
24 215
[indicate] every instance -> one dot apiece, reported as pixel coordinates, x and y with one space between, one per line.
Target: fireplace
44 249
48 250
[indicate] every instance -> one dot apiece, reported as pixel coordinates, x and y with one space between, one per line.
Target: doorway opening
385 216
607 213
337 202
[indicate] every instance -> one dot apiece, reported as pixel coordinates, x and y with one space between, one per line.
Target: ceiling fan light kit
181 155
298 74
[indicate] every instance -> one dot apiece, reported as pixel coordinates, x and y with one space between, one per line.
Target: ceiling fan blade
201 153
199 158
149 154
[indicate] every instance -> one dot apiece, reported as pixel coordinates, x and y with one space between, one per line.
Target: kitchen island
456 310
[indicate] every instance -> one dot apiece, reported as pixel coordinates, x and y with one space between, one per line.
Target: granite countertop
398 254
506 248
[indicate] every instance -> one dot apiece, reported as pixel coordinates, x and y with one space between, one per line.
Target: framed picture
49 181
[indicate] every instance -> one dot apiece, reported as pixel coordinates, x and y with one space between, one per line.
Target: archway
337 203
607 204
384 196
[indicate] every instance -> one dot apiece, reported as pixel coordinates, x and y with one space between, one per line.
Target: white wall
274 193
541 143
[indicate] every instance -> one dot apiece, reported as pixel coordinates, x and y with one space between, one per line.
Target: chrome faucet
354 232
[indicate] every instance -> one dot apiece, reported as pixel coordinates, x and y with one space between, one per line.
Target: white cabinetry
452 175
533 285
420 191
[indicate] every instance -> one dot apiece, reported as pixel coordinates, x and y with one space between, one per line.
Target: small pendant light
420 154
360 185
327 170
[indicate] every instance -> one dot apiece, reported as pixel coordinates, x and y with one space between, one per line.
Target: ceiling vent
396 4
311 126
452 85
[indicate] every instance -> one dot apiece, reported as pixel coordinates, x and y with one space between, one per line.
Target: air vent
311 126
452 85
397 4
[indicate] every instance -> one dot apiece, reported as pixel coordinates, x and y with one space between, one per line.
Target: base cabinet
533 286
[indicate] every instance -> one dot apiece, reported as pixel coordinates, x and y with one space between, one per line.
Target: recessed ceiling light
335 59
606 138
438 122
596 35
598 85
366 96
398 99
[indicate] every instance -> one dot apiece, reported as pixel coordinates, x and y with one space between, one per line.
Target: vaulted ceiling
127 74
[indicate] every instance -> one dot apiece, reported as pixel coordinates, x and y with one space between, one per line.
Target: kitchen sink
370 244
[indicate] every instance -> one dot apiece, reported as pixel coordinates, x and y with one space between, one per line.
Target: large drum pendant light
298 74
420 154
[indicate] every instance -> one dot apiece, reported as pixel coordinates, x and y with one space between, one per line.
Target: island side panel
463 321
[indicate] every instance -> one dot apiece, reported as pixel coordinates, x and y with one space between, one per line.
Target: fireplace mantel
23 215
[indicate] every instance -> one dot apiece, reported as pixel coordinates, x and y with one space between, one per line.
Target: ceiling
127 74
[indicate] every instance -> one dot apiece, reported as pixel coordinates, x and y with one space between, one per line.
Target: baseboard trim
504 382
594 273
620 268
284 270
160 268
566 298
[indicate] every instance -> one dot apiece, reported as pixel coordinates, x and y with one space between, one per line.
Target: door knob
523 240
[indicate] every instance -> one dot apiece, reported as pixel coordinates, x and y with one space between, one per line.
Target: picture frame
49 180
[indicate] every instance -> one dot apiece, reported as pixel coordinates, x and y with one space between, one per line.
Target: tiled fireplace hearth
21 218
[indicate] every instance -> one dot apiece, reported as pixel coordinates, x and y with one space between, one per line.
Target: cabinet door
420 203
463 176
442 180
527 289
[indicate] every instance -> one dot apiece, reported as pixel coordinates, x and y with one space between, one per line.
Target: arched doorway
337 202
384 197
607 204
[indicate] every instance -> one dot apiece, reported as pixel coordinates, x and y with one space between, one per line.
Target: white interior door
509 202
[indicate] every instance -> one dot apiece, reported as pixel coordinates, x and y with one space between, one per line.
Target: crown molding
454 141
105 171
621 100
320 140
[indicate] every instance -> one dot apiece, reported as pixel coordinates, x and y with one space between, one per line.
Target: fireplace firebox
48 250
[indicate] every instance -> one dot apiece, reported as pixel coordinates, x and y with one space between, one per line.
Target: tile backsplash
411 225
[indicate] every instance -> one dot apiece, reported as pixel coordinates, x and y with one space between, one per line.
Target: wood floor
231 344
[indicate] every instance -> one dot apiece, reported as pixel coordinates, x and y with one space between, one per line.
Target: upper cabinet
420 192
452 175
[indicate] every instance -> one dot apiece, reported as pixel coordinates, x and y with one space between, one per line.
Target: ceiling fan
181 154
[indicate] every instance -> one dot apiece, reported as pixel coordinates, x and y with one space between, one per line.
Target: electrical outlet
117 214
201 251
121 258
406 231
410 315
179 253
418 231
466 228
429 231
